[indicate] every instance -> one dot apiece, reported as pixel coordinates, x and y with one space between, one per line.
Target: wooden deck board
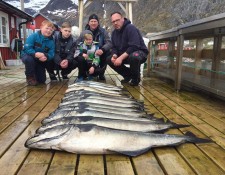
22 109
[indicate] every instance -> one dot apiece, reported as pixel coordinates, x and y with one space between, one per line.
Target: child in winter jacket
88 61
37 54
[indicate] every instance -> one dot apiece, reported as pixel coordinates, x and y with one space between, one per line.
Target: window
4 30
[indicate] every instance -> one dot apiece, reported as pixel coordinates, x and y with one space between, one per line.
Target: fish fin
82 105
152 117
131 153
175 125
140 101
162 131
194 139
139 108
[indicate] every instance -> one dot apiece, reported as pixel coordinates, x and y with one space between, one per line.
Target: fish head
55 116
49 138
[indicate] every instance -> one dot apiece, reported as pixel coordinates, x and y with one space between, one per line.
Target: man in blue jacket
128 48
38 54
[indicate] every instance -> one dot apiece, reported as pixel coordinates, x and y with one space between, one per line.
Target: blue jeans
35 68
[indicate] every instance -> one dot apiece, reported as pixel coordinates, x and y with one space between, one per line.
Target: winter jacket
128 39
64 48
90 51
101 36
36 42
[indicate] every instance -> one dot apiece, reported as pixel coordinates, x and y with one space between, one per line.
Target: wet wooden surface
22 108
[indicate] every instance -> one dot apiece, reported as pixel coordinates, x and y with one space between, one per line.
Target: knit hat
93 16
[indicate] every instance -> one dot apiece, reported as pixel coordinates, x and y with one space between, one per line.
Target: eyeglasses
115 21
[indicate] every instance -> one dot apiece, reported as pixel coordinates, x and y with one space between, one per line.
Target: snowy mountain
30 6
35 5
148 15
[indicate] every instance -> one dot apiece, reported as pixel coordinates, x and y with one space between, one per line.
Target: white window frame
7 43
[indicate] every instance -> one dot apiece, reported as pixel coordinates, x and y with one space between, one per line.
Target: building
38 18
10 23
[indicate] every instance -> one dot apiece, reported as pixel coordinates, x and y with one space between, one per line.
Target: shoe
31 81
90 77
79 79
41 83
101 77
125 80
135 82
65 77
52 77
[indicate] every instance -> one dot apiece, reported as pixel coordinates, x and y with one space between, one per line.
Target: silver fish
103 102
110 111
142 126
127 101
115 93
97 86
89 93
93 139
110 107
60 114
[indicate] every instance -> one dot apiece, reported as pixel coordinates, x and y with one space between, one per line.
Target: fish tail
194 139
176 125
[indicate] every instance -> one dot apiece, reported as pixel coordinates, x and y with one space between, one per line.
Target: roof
5 7
38 13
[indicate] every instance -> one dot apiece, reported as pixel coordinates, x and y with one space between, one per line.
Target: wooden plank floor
22 108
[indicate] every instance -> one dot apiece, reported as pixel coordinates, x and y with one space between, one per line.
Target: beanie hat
93 16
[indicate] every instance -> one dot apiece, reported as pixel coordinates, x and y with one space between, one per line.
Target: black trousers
71 66
103 62
135 60
84 66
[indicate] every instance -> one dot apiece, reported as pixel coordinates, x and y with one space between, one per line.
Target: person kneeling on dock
88 60
128 48
38 54
65 46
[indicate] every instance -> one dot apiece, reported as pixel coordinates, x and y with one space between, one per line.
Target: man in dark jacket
64 51
101 36
128 48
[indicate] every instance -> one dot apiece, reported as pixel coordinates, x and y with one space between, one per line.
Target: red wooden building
10 22
38 18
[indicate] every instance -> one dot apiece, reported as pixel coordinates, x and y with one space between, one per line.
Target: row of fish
98 118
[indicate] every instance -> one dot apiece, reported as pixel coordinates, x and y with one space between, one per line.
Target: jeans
35 68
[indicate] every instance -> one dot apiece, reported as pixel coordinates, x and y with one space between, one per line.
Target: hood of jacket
126 22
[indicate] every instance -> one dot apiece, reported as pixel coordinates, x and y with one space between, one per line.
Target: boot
31 81
101 77
135 82
125 80
65 77
52 77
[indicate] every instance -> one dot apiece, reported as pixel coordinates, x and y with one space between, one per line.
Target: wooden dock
22 108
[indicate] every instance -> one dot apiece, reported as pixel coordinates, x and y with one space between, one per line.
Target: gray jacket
101 36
